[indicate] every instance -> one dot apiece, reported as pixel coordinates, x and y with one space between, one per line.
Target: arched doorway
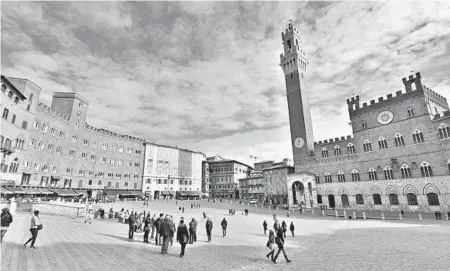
298 192
344 199
331 201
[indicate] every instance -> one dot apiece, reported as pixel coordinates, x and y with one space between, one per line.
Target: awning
123 193
80 192
111 193
28 191
133 193
14 189
65 192
5 191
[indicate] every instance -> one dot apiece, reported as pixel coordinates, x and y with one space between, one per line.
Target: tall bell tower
294 64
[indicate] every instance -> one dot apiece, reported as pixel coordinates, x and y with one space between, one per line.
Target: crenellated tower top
294 58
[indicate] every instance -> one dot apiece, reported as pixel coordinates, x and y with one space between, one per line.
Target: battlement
334 140
289 29
444 115
109 133
51 111
354 104
434 94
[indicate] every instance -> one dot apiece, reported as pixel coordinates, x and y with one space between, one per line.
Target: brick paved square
319 244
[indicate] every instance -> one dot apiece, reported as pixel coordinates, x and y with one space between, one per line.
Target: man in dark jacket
6 219
166 231
182 236
279 240
157 225
209 226
291 227
224 226
131 223
192 231
265 227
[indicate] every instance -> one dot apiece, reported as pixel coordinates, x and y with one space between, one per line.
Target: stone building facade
275 183
15 125
224 177
170 169
397 158
252 187
62 150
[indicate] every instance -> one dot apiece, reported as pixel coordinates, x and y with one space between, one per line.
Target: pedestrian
179 208
35 227
276 225
192 231
182 236
6 219
271 245
291 228
284 227
152 223
157 226
87 216
224 227
173 228
182 210
265 227
165 230
147 222
279 240
131 223
209 226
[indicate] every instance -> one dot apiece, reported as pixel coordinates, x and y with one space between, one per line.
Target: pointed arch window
359 199
328 178
372 174
388 173
351 148
367 146
393 199
418 137
425 169
324 152
341 176
317 177
412 199
444 131
433 199
399 141
382 143
337 150
406 171
355 176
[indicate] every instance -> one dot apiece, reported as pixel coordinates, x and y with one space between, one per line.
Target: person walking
182 210
279 240
35 227
6 219
192 231
147 222
173 228
152 223
209 226
276 225
271 245
291 228
182 236
284 227
165 230
131 223
157 226
88 216
224 227
265 227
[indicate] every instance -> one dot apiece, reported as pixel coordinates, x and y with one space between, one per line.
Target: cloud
206 75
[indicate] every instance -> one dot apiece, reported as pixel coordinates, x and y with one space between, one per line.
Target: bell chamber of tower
294 64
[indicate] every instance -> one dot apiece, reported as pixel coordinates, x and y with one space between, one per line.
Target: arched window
316 176
16 100
399 141
382 143
425 169
418 137
406 171
444 131
341 176
412 199
359 199
355 176
351 148
10 94
388 173
337 150
319 199
433 199
376 199
393 199
372 174
328 177
367 146
324 152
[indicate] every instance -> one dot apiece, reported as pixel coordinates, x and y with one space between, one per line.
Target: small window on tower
292 75
289 44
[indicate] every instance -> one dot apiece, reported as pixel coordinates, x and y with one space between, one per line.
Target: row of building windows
166 181
444 132
425 169
433 199
226 169
5 116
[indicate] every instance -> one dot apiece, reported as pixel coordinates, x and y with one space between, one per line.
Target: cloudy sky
205 75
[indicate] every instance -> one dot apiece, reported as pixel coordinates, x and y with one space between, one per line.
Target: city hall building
397 158
54 147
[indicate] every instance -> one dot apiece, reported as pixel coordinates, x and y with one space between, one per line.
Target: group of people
276 237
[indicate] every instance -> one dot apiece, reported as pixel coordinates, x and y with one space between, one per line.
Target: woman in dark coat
182 236
147 227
